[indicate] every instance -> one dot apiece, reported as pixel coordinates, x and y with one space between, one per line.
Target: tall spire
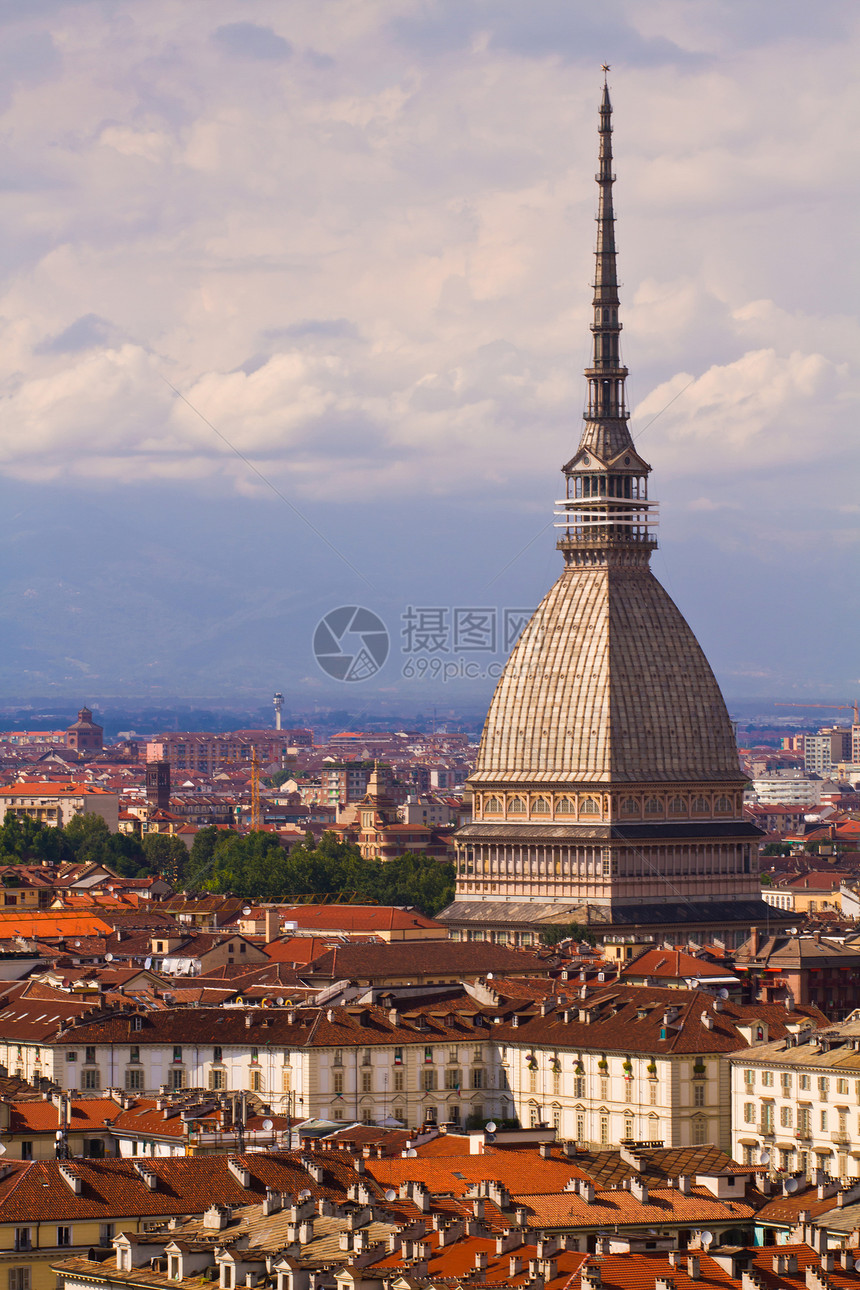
607 482
605 430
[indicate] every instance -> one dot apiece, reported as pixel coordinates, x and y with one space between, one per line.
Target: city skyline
359 253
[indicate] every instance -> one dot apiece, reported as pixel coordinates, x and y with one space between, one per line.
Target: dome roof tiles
607 684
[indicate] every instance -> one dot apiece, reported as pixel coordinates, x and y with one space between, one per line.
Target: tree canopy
253 865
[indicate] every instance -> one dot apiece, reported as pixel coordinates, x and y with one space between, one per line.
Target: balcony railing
840 1135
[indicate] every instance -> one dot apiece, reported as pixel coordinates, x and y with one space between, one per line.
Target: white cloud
370 240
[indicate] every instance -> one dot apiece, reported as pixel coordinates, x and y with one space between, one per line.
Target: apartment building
56 804
796 1101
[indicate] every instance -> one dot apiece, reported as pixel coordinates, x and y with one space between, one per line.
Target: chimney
481 1261
306 1231
515 1265
693 1267
639 1189
545 1150
684 1184
272 925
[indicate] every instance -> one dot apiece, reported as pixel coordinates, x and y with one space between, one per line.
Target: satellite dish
280 1001
792 1185
391 1194
764 1158
3 1149
490 976
147 963
305 1195
490 1126
724 994
246 911
707 1239
108 958
411 1153
268 1124
78 944
59 1135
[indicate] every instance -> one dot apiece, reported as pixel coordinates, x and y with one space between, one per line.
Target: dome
607 684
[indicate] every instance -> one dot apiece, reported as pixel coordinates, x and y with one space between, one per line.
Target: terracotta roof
37 1192
43 1117
414 958
523 1173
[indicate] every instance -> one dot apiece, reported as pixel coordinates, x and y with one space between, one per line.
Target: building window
64 1236
824 1121
398 1082
564 806
452 1079
767 1079
398 1057
588 806
700 1131
19 1279
842 1086
698 1095
71 1057
106 1235
749 1112
785 1081
217 1080
134 1053
22 1238
177 1054
90 1055
255 1081
367 1115
26 1151
365 1081
604 1130
216 1054
579 1086
177 1079
803 1119
337 1059
749 1079
133 1081
804 1082
580 1128
652 1092
338 1083
652 806
428 1054
515 806
823 1087
477 1079
337 1113
91 1080
429 1080
785 1117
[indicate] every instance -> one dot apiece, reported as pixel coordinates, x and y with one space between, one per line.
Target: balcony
841 1136
803 1133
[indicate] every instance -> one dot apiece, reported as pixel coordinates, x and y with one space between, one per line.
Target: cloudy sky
294 313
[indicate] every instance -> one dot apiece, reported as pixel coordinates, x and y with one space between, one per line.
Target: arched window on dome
677 806
540 806
492 806
629 806
700 806
516 806
564 806
588 806
653 806
722 806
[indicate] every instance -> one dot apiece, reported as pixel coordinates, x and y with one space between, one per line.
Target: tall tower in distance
607 790
278 704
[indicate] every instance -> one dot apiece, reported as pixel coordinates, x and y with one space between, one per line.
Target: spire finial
607 493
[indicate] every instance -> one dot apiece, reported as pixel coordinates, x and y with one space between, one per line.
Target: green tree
89 838
566 931
166 855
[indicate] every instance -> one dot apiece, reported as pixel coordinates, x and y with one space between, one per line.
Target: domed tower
607 790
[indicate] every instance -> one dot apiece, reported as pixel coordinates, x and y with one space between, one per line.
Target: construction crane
838 707
256 814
